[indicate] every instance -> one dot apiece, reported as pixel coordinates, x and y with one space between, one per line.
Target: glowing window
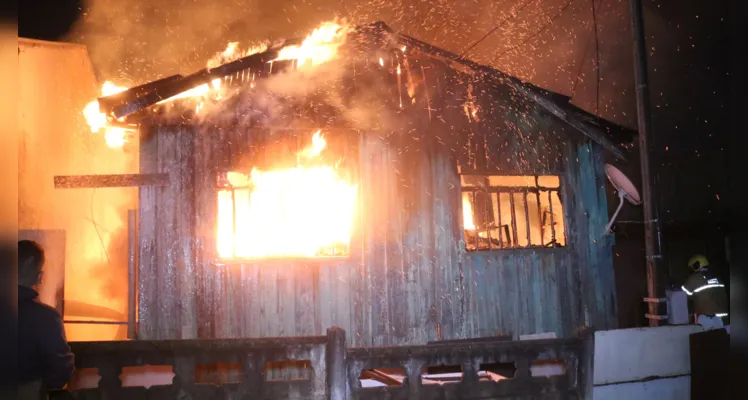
509 212
301 211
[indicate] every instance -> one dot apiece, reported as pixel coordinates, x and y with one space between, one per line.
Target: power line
597 59
511 16
96 228
581 67
584 58
546 26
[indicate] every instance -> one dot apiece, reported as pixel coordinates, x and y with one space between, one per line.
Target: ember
305 211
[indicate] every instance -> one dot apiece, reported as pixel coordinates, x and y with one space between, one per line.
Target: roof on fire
607 134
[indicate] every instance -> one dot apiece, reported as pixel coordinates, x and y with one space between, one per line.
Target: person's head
698 262
30 263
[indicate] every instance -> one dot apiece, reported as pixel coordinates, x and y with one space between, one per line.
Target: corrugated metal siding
408 279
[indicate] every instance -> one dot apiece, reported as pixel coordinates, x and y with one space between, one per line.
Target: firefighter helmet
697 262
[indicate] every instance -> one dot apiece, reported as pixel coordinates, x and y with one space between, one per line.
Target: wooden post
336 363
644 119
132 265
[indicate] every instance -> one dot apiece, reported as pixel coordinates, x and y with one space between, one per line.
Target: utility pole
644 122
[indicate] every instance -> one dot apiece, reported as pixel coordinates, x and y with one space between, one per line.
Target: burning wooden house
366 180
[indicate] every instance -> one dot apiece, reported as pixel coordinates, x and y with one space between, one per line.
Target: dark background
557 44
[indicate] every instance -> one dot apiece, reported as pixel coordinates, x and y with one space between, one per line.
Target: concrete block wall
643 363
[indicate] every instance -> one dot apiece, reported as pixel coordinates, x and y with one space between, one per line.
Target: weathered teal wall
408 279
556 289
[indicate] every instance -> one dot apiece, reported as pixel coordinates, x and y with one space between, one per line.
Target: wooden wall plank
148 312
397 302
166 274
286 299
305 312
269 301
518 294
205 206
327 295
342 279
251 302
184 235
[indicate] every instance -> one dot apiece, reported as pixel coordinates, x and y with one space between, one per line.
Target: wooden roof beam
110 181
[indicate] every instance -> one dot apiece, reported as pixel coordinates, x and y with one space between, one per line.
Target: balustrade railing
324 369
252 356
479 370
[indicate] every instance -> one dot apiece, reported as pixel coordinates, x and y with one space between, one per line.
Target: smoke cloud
280 100
548 44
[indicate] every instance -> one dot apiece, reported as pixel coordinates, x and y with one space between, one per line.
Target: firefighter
708 294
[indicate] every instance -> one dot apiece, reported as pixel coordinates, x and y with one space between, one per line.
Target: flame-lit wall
408 279
56 80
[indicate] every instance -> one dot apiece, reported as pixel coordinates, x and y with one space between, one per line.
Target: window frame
511 191
224 185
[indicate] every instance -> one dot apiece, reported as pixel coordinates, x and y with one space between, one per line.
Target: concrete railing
250 356
484 369
325 369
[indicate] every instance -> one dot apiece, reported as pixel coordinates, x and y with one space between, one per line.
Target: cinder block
628 355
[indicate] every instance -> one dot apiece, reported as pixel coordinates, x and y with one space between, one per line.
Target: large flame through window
304 211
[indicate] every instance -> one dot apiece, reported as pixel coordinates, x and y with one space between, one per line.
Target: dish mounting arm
621 197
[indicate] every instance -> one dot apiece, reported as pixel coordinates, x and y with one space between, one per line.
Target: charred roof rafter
132 101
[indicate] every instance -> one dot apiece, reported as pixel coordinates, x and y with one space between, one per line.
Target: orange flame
232 53
318 144
114 136
319 47
305 211
467 213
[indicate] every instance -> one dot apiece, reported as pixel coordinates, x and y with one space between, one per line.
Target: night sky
550 43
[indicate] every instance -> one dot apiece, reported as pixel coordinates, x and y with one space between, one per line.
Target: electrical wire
581 67
96 228
546 26
511 16
597 59
597 56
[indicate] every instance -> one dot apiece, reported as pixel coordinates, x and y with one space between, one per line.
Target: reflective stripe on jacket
708 293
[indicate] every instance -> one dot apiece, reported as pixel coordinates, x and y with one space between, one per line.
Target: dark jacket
708 293
43 351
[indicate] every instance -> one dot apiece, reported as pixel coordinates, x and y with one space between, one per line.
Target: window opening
300 211
505 212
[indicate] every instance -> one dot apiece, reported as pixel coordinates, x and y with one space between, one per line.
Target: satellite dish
624 187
